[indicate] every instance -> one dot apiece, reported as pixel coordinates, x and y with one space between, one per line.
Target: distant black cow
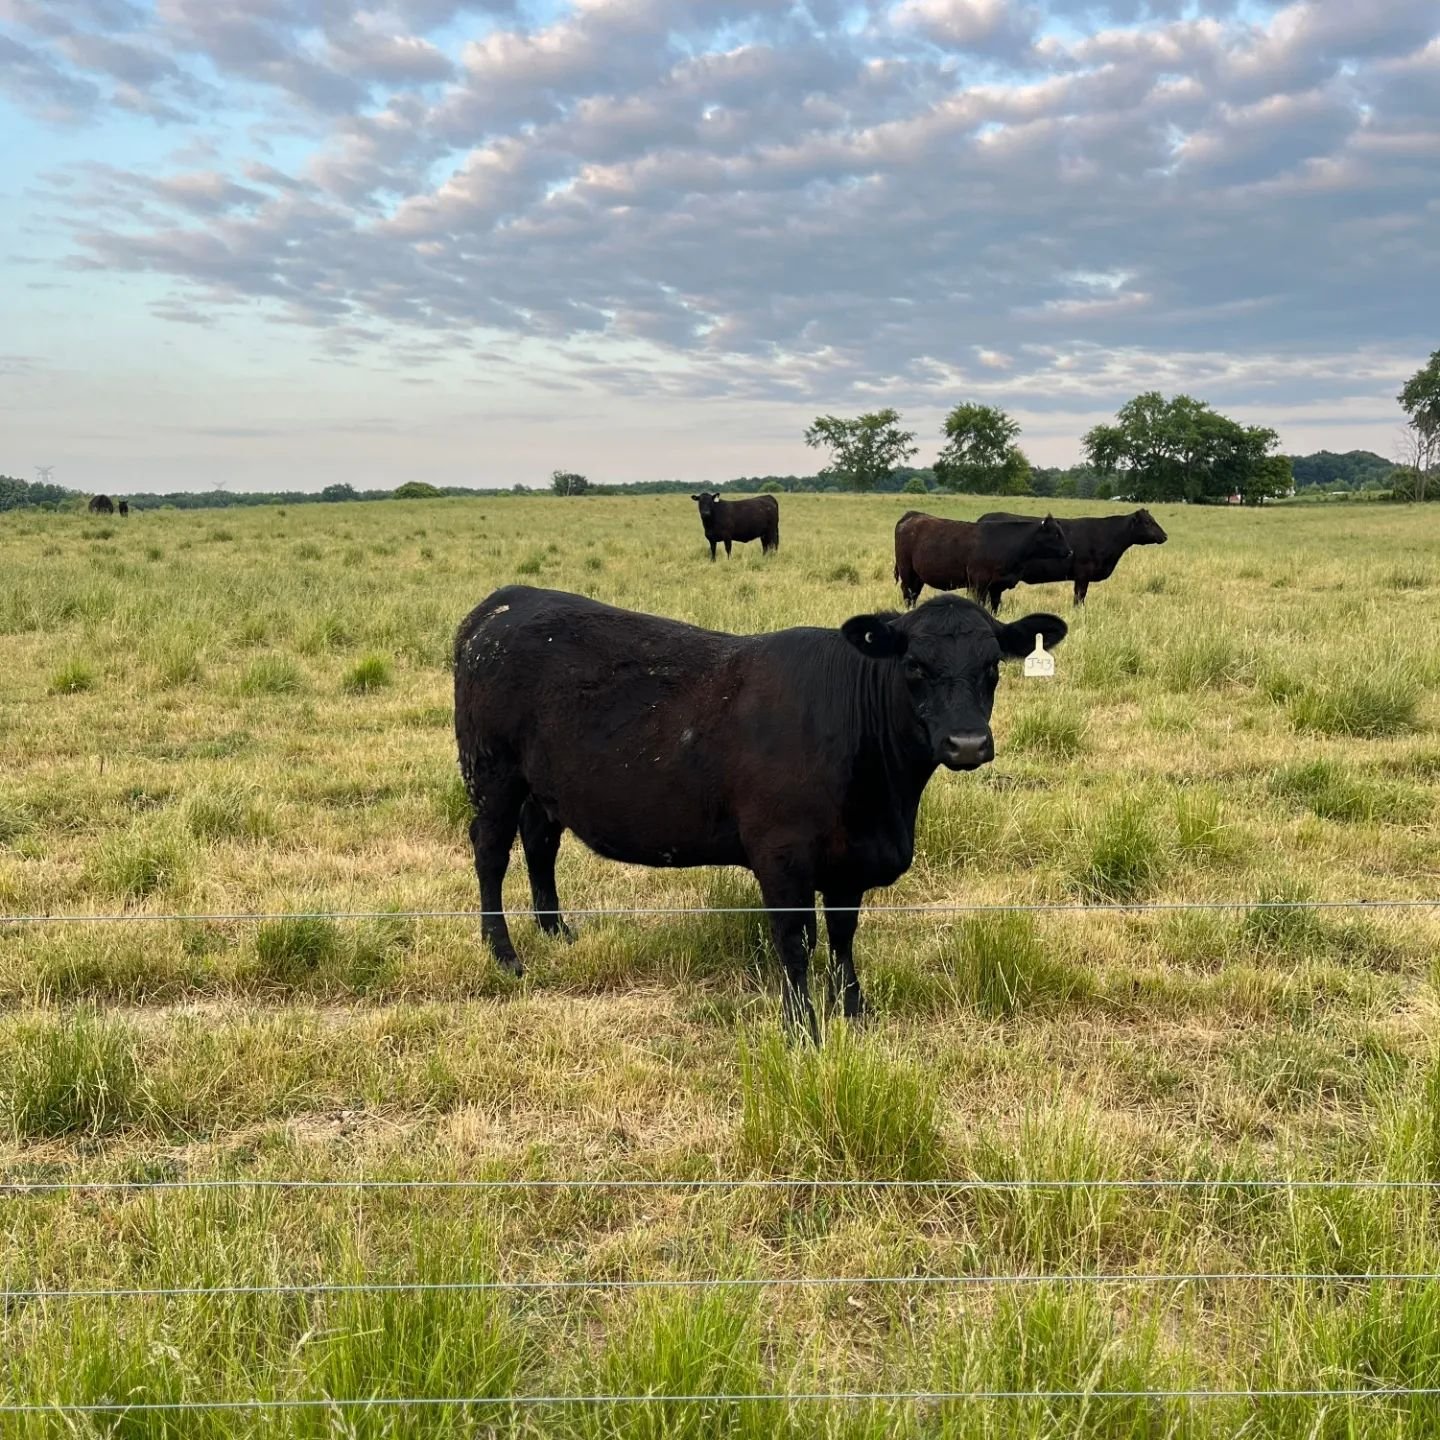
101 505
986 560
1096 545
800 755
738 521
124 507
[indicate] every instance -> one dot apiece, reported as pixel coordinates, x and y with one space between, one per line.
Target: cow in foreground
986 560
1096 545
800 755
738 521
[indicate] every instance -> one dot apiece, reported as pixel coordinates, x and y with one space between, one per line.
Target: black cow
986 560
124 507
739 521
800 755
1096 544
101 505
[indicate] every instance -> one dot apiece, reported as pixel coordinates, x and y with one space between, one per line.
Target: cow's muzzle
966 752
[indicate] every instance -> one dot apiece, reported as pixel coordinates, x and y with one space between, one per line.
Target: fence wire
779 1397
1020 907
322 1288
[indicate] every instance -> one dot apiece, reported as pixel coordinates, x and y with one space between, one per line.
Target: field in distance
250 711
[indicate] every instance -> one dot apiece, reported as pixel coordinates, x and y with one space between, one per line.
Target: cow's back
936 551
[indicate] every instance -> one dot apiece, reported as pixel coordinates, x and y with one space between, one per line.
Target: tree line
1156 449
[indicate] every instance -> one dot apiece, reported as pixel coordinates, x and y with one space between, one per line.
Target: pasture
250 711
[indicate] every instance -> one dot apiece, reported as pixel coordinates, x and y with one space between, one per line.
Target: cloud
710 198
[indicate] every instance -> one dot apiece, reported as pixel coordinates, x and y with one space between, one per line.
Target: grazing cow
124 507
739 521
101 505
1096 545
986 560
800 755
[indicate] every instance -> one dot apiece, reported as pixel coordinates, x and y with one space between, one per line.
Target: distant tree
1181 449
416 490
1420 400
339 492
980 454
519 489
566 482
772 487
914 486
1352 470
864 451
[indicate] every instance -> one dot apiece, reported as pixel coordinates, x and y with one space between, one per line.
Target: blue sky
279 243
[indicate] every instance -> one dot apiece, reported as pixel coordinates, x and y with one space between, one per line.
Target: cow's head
1048 542
1145 529
707 502
948 652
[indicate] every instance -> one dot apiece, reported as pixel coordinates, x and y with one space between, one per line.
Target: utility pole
43 473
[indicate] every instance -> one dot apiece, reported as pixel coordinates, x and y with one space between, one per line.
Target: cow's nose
965 752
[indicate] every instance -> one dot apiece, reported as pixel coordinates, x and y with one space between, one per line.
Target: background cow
1096 545
800 755
739 520
101 505
124 507
986 560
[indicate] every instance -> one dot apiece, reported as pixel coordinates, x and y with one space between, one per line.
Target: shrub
841 1109
373 672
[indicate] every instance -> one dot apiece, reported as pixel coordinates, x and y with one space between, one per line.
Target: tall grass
840 1109
76 1075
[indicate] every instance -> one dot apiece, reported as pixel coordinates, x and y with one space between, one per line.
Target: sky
274 244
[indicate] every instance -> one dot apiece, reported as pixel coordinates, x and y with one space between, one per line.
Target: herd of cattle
800 755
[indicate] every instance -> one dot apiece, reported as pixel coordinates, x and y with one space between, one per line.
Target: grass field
250 711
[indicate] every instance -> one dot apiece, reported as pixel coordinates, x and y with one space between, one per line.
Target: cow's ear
694 497
876 636
1018 637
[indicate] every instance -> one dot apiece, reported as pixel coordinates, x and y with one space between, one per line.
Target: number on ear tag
1039 661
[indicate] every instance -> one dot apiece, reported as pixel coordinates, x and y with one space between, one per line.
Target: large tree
980 454
1420 400
1181 449
567 482
865 451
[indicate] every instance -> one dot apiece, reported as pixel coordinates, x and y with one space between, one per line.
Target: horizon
269 249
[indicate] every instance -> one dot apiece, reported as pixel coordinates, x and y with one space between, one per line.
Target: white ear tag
1039 661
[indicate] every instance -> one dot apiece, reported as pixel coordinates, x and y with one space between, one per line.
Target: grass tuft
843 1109
73 677
1120 855
73 1075
290 951
998 964
372 672
272 675
1052 727
132 864
1367 704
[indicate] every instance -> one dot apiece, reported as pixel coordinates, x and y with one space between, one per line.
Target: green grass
373 672
77 1076
1207 736
73 677
840 1110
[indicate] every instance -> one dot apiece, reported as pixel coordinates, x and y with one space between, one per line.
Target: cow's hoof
511 965
558 929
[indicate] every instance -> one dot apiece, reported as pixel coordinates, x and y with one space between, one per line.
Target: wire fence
762 1397
1020 907
15 1188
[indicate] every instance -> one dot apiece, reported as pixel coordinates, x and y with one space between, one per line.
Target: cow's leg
997 593
497 796
540 835
1081 586
713 544
789 894
727 549
842 915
